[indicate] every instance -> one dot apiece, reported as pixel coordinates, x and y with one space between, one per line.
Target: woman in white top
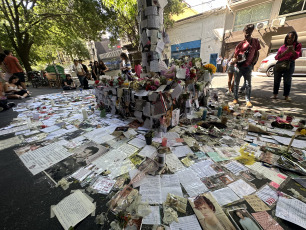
14 91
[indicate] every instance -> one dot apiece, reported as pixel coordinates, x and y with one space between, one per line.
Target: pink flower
153 87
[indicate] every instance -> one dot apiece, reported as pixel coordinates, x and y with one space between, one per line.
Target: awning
112 54
278 40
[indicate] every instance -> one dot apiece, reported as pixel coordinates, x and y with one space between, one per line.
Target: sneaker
249 104
287 99
235 101
273 97
228 93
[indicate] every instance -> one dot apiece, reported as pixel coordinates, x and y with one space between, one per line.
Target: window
254 15
292 6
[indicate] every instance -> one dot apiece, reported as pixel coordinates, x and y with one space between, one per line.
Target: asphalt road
262 90
25 199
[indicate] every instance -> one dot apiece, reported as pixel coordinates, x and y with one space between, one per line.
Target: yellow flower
210 67
303 132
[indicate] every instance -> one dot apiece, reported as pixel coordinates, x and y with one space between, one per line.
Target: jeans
219 67
81 79
287 79
246 72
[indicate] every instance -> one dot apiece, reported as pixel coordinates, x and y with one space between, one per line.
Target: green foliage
121 18
38 29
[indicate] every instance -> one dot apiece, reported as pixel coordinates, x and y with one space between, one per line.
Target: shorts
20 76
231 69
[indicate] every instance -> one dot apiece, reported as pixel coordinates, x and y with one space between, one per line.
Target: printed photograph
226 179
209 213
133 224
243 219
247 176
217 168
89 152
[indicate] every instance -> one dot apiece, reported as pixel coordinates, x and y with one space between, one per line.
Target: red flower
97 82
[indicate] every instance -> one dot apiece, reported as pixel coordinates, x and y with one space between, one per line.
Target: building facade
273 19
198 36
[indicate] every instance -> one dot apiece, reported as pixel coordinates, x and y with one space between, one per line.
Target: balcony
234 3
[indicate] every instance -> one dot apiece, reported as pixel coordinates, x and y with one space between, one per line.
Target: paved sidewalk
262 88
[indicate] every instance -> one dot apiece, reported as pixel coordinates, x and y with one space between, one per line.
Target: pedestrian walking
286 56
246 56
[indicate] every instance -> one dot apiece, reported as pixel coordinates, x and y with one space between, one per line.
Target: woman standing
230 72
286 56
126 65
102 68
95 71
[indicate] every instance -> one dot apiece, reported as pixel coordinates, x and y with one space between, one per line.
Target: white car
267 64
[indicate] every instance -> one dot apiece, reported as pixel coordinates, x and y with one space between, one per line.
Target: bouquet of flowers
210 67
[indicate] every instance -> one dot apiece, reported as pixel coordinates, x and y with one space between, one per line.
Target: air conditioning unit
278 22
262 25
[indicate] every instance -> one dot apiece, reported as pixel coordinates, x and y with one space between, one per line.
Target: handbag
282 66
244 56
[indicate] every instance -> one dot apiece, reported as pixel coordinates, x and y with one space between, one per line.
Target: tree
122 18
37 23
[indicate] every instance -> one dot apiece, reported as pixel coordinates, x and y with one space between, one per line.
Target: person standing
78 68
246 56
219 63
102 68
230 72
286 56
13 67
224 65
95 71
84 66
126 67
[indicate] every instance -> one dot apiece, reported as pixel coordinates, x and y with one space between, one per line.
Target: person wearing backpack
246 56
286 56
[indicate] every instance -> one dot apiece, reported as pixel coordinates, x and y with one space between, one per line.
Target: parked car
267 64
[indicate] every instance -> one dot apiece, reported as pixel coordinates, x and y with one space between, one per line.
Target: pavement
25 199
262 90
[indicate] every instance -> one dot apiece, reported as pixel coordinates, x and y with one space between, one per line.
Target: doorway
213 59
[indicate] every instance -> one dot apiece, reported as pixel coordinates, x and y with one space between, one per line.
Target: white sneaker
228 93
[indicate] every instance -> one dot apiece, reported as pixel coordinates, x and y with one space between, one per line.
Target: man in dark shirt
84 66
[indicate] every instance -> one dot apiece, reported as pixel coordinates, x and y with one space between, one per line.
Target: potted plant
149 136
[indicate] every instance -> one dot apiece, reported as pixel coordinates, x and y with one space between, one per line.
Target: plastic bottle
204 114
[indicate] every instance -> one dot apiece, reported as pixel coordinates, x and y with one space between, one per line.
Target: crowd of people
246 54
240 64
95 70
12 81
